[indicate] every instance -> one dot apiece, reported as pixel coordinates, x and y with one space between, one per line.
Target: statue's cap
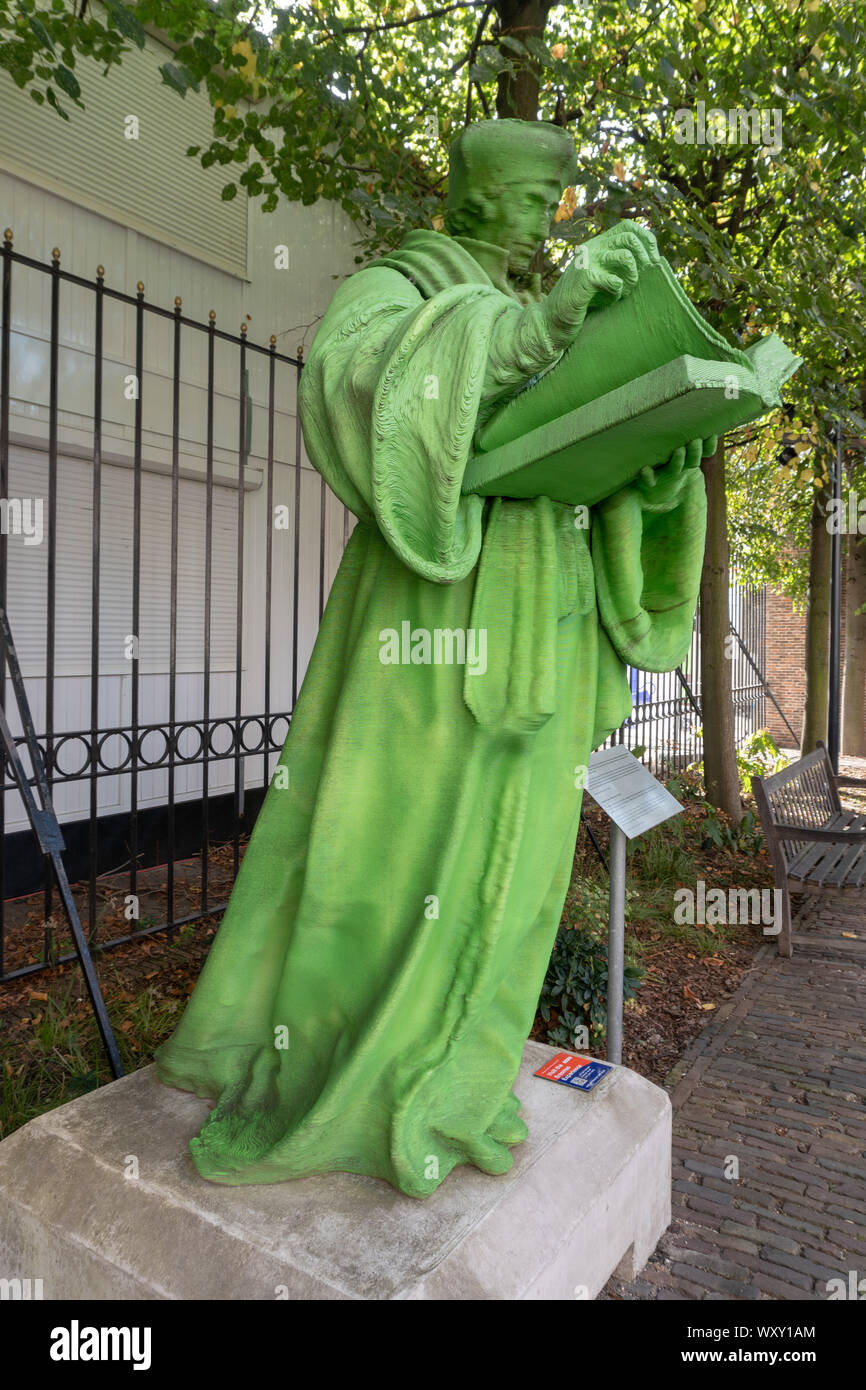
492 154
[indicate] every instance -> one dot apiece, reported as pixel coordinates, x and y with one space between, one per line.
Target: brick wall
785 673
786 662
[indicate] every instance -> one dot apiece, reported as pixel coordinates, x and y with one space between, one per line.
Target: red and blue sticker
580 1072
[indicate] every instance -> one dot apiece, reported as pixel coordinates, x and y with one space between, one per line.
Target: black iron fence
215 702
199 712
666 722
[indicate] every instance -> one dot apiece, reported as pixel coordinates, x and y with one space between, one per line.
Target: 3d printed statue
367 998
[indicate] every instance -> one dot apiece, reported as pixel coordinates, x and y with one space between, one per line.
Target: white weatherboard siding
146 182
27 593
147 212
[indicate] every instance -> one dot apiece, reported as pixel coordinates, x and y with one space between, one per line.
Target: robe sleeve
389 400
647 560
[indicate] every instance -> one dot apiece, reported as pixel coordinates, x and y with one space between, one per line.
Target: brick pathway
778 1081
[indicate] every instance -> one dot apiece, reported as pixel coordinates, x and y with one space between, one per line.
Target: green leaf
492 58
126 22
539 49
173 77
52 101
229 191
207 49
180 79
67 81
37 28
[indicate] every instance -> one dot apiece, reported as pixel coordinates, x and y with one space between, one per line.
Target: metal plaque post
635 801
47 830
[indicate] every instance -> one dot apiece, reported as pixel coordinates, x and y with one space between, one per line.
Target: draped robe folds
366 1000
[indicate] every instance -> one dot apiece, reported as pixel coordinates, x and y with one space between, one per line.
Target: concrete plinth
589 1194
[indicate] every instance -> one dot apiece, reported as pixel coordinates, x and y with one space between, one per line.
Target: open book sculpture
366 1002
644 376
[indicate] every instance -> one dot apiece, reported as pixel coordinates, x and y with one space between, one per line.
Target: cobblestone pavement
777 1082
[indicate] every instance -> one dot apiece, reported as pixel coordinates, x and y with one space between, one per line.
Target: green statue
369 993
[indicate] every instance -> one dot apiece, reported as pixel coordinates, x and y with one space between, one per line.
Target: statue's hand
604 269
614 259
659 488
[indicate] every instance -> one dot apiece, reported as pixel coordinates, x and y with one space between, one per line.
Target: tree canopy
732 128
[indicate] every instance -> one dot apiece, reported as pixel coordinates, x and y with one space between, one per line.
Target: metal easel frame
44 821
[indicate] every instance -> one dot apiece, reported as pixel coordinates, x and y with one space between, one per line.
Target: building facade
113 188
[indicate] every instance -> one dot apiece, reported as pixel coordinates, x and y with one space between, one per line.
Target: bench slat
802 863
854 871
805 798
785 805
792 773
841 877
829 874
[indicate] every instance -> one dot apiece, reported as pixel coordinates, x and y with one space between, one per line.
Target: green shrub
660 856
747 837
687 784
576 985
758 757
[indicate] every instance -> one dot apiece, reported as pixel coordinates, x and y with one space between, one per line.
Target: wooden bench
814 843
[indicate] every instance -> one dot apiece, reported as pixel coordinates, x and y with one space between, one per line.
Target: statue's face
518 218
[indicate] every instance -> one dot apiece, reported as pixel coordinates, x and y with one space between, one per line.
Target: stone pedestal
589 1194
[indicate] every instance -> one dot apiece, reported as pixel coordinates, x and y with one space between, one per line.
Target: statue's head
505 183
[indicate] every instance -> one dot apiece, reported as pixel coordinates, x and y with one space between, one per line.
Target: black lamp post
833 714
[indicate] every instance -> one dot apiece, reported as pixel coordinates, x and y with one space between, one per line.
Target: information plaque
627 791
635 801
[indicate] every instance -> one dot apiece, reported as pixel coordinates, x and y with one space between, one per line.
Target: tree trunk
854 671
717 702
853 731
817 627
517 92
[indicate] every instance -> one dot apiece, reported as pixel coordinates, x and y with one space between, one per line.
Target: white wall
145 211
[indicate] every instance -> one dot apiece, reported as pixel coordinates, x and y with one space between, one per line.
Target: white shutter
149 184
28 576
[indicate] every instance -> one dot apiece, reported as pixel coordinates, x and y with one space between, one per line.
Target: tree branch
406 23
470 59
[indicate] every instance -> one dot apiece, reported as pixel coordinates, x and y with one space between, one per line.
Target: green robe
366 1000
